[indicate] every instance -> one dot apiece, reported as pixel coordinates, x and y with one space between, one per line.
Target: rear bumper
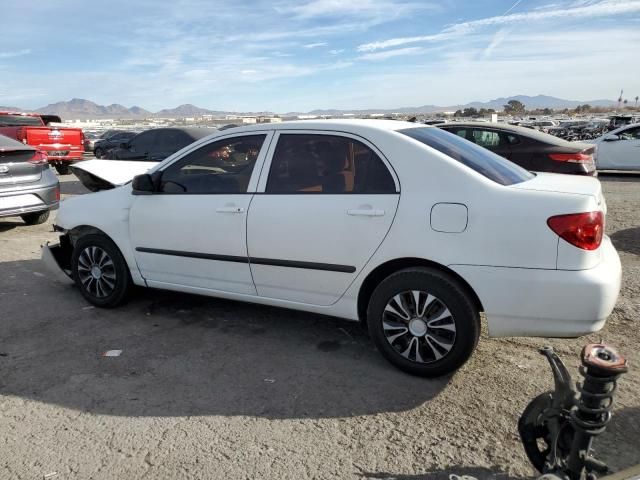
35 199
547 303
69 155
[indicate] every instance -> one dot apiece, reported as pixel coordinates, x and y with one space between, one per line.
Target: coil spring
593 410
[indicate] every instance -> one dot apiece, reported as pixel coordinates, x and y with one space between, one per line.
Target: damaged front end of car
57 257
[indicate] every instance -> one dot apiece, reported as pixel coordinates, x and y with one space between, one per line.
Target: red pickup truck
62 145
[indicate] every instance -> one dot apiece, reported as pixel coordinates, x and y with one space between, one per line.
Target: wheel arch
383 270
81 230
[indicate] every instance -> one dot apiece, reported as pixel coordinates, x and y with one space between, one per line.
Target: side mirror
143 184
611 138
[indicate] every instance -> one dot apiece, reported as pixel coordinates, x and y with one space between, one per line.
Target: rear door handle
230 210
365 212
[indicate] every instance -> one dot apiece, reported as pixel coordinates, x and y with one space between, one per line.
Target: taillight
579 157
39 158
583 230
57 194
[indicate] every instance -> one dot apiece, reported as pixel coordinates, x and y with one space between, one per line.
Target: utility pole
620 99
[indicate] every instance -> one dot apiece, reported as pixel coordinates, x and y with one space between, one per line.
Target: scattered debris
112 353
38 274
88 307
346 333
269 380
46 476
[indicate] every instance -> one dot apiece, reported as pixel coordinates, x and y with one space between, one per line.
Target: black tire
62 168
98 153
446 344
86 255
35 218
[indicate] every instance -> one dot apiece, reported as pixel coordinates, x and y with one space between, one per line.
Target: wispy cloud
315 45
17 53
360 8
391 53
607 8
497 39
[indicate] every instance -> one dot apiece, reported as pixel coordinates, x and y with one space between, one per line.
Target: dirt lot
208 388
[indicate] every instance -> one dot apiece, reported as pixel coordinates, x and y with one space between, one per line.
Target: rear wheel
100 271
423 322
62 168
35 218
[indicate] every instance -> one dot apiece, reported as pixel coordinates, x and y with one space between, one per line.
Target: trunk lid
15 167
560 183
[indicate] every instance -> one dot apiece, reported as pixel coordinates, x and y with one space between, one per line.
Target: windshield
19 120
483 161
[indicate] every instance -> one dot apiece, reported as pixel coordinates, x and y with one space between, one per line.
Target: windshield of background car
483 161
19 120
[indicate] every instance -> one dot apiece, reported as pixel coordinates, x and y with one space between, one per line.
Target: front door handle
365 212
230 209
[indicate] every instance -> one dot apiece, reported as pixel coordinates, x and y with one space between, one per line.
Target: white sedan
619 149
410 229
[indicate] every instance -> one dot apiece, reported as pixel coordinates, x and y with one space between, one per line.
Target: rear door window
477 158
20 120
461 132
144 143
485 138
512 139
329 164
630 134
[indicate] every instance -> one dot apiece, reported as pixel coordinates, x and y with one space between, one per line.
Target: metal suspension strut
601 368
557 428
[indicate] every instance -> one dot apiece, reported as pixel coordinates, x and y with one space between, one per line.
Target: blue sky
290 55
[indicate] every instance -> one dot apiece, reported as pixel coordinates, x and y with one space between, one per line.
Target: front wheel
98 153
100 271
62 168
423 322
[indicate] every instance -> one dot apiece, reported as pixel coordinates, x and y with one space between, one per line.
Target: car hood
105 174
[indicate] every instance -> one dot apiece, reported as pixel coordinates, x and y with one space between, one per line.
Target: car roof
7 143
355 125
195 133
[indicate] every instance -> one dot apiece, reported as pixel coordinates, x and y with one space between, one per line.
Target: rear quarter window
20 120
481 160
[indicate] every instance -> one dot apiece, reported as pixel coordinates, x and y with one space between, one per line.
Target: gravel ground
208 388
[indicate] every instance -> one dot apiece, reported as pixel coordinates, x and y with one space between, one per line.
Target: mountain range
78 108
